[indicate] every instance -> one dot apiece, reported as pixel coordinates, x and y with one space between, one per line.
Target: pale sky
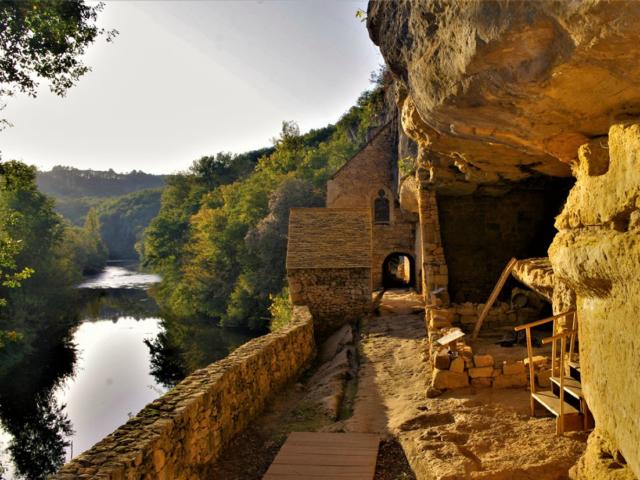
186 79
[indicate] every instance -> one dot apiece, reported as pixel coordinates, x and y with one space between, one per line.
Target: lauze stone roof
329 238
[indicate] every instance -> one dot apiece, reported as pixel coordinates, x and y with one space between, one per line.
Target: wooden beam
494 295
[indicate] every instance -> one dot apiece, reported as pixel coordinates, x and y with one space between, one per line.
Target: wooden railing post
532 375
574 327
553 349
562 352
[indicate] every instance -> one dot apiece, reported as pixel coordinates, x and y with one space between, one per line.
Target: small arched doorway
398 271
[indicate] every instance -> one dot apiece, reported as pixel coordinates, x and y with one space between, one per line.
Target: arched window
381 208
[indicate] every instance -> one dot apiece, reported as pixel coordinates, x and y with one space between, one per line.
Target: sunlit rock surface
506 89
494 92
597 253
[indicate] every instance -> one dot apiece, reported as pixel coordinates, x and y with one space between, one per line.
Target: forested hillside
219 240
125 202
123 220
70 182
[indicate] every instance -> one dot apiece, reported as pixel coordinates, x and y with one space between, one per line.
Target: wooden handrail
493 297
558 336
563 346
543 321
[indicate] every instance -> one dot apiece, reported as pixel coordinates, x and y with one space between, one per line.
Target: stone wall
335 296
178 435
435 275
357 183
597 253
480 233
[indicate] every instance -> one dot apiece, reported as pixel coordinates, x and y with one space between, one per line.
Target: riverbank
116 353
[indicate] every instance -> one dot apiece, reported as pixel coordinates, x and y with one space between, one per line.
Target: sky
185 79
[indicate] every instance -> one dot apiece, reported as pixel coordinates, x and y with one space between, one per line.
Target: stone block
446 313
481 382
513 368
543 377
457 365
466 351
483 360
481 372
468 319
508 381
538 361
441 360
439 322
446 379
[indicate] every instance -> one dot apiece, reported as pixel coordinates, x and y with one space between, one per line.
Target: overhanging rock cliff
510 88
500 94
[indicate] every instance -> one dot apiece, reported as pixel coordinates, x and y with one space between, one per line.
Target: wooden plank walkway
326 456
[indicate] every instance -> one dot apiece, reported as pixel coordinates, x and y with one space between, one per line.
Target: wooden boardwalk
326 456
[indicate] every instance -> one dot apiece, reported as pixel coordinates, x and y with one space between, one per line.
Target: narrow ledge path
464 434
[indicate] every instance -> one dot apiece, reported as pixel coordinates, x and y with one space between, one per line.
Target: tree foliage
45 39
38 251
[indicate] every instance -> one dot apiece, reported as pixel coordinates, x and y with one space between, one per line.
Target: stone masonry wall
480 233
178 435
357 183
335 296
435 274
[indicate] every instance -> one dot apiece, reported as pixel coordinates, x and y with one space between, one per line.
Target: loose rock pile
455 365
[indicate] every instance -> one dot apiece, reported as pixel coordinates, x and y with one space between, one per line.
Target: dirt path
467 434
311 405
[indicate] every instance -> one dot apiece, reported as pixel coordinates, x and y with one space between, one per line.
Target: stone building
369 180
329 264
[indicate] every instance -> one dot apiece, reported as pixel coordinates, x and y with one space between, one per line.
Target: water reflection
184 346
35 426
106 351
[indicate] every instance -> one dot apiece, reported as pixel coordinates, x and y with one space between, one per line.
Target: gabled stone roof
329 238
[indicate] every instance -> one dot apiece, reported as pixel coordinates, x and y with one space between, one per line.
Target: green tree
45 40
31 235
96 251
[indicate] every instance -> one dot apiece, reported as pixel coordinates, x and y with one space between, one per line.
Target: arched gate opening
399 271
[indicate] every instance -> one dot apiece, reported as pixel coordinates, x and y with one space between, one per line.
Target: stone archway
399 271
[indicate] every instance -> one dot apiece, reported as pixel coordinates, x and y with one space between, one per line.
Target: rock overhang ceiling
498 91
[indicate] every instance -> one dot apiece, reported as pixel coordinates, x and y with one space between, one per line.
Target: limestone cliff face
597 253
498 91
501 89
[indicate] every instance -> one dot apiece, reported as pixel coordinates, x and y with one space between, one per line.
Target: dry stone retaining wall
178 435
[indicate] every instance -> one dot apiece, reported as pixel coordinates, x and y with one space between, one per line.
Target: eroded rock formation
597 253
496 93
501 90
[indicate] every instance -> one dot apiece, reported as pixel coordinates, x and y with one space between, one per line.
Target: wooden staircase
564 399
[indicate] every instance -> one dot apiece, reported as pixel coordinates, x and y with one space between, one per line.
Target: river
78 385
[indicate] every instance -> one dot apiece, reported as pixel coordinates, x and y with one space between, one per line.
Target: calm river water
121 354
